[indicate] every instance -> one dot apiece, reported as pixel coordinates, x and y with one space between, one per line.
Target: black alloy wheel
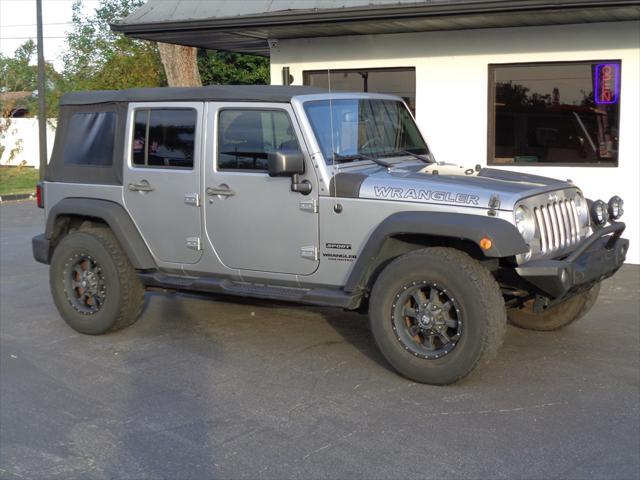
84 284
426 319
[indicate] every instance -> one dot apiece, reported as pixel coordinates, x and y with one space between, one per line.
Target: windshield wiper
407 152
359 156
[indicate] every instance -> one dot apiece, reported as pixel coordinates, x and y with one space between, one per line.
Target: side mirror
289 164
285 164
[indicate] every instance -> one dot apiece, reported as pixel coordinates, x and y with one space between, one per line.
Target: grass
18 180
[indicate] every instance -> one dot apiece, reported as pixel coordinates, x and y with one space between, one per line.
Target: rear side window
90 138
246 137
164 137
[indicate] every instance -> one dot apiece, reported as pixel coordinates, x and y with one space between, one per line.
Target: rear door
162 178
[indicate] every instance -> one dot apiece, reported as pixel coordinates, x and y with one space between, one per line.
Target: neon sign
607 83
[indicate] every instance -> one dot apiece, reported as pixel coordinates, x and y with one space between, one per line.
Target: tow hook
540 304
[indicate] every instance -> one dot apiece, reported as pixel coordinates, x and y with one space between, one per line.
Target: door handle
222 190
143 186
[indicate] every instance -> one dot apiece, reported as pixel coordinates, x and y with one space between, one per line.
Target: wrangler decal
421 194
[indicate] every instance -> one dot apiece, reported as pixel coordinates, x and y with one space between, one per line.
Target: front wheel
436 314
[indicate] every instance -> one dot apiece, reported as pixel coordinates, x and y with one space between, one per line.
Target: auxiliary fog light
615 207
599 212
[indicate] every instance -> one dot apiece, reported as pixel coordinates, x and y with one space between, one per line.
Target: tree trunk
180 65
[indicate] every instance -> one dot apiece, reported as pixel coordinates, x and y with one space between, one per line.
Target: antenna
333 147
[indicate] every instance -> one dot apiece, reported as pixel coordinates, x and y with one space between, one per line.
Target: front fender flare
506 240
114 215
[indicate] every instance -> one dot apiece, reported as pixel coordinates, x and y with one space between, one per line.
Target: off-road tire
557 316
123 290
478 300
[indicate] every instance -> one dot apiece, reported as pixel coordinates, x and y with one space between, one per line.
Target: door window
164 137
245 138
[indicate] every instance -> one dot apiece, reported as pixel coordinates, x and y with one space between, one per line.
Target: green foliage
96 58
20 73
219 68
18 180
16 72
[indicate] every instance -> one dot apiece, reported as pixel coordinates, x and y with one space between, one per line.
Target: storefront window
554 113
392 81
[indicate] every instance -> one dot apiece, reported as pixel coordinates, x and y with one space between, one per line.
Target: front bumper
595 258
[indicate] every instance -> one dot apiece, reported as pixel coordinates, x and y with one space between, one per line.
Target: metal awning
247 25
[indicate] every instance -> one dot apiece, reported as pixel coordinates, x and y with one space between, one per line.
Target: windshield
365 128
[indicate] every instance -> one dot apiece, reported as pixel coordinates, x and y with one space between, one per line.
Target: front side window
354 129
164 137
90 139
555 114
246 136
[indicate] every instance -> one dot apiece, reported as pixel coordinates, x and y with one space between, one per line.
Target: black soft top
243 93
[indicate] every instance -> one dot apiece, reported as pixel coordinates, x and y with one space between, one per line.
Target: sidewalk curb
17 196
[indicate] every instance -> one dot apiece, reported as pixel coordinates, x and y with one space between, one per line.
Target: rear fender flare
115 216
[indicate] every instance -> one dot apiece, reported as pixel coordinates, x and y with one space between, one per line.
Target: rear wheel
94 286
436 314
555 317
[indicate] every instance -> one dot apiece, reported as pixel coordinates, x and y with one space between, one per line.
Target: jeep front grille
558 225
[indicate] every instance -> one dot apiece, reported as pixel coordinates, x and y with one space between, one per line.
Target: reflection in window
90 139
353 129
392 81
556 113
164 137
246 137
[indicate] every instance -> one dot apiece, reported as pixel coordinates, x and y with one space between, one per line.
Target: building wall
452 89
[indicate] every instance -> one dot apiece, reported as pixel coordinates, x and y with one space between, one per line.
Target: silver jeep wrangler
297 194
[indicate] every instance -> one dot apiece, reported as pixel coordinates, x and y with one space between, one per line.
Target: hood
442 184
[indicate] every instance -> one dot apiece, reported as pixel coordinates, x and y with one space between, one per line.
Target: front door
162 178
254 221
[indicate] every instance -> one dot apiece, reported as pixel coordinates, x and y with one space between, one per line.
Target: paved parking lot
206 387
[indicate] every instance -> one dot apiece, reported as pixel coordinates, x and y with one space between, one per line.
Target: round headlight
614 207
599 212
583 209
525 223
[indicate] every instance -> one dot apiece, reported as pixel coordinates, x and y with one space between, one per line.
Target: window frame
146 166
491 114
306 74
218 134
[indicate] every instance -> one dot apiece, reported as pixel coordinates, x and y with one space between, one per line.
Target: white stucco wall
452 89
22 138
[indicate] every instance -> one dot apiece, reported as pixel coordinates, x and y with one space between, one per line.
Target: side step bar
327 297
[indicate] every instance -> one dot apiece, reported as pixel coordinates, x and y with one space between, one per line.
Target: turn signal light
485 243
